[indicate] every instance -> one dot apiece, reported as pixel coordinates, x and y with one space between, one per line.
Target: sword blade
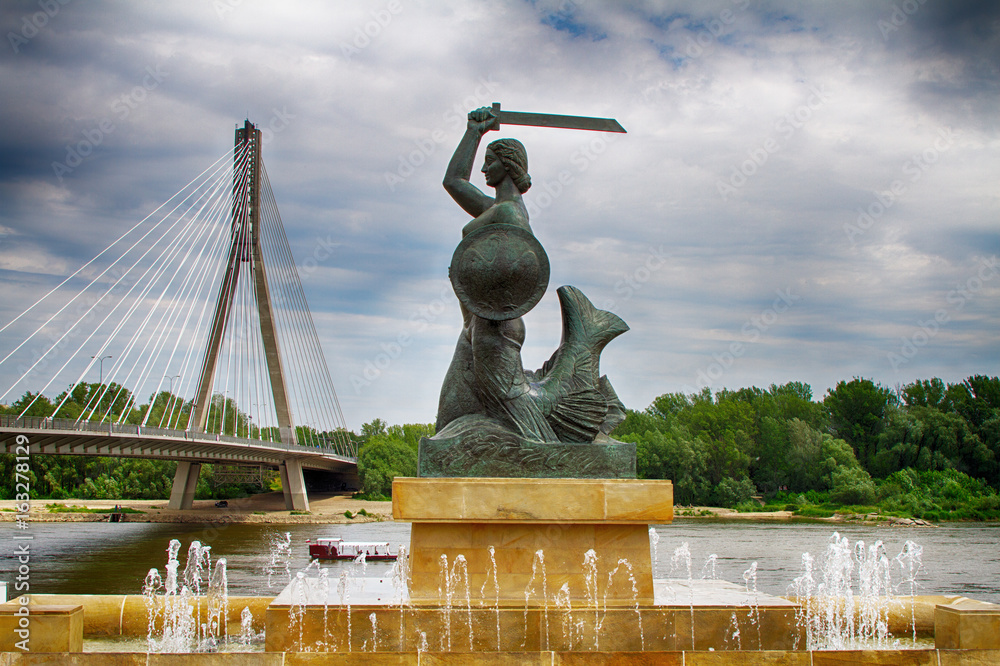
554 120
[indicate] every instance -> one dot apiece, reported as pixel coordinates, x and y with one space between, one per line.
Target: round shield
499 271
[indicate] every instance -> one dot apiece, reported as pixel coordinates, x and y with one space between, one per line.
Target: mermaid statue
494 417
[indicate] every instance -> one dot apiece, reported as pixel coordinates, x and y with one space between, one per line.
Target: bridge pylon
245 246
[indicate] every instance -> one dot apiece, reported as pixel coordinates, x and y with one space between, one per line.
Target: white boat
336 548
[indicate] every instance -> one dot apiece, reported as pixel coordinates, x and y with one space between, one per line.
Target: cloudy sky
806 192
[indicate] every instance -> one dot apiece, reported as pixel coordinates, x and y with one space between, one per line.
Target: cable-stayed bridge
200 307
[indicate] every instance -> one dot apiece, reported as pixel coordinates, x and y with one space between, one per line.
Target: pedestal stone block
48 628
523 534
621 501
967 624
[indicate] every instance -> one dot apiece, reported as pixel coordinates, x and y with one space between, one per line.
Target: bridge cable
151 358
159 264
98 256
86 314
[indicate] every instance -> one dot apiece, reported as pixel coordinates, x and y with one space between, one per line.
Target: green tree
936 494
224 417
732 491
167 410
727 429
39 405
410 433
383 458
93 402
668 405
791 401
815 456
857 412
900 445
677 456
926 438
639 423
771 469
373 428
926 393
977 399
852 486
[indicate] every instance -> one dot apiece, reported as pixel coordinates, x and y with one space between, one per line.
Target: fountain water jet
407 628
596 603
174 606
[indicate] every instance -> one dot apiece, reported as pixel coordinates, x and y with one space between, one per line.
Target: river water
114 558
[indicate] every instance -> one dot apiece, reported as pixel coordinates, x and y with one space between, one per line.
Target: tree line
927 449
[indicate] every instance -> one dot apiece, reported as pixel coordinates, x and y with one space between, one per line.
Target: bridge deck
67 437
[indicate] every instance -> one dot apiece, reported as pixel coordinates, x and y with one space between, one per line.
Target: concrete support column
185 484
285 486
293 484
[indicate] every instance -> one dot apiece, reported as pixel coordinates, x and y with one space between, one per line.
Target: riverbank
332 508
717 513
324 508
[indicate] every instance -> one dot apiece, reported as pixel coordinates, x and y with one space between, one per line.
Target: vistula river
114 558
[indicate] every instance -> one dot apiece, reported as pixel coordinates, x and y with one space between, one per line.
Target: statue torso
505 212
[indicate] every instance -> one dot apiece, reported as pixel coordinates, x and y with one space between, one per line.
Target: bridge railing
348 450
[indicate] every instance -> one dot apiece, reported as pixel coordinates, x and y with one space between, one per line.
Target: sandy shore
695 512
264 508
712 512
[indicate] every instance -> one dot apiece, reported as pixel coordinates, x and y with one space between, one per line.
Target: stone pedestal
499 526
966 624
44 627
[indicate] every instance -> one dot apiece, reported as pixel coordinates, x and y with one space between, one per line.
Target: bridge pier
185 484
293 485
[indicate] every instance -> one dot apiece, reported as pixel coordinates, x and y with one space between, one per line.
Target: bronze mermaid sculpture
499 273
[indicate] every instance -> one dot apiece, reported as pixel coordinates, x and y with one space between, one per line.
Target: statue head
514 158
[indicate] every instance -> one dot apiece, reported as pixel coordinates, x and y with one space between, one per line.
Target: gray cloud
703 88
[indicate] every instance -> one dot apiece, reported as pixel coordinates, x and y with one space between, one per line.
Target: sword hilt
496 112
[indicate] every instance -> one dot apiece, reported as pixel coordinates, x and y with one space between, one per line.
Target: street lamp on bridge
101 365
260 417
171 398
101 361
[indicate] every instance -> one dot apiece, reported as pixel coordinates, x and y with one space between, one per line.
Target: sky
805 192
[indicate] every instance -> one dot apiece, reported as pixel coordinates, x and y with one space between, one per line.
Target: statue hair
514 158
